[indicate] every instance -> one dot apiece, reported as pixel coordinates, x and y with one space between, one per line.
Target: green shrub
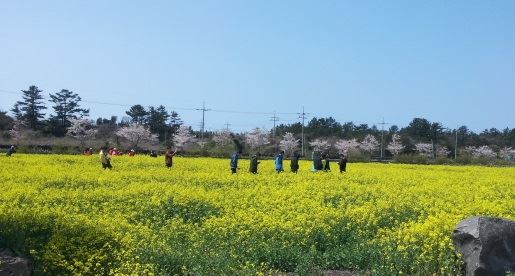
411 159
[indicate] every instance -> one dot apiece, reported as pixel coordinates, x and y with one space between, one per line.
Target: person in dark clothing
279 162
343 163
253 168
234 162
153 153
317 163
294 165
320 165
327 168
10 151
169 154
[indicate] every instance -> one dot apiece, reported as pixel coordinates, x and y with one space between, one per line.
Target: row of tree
30 113
154 125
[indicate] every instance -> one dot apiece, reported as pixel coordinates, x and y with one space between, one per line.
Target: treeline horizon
66 106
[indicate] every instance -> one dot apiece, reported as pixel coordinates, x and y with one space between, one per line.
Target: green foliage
411 159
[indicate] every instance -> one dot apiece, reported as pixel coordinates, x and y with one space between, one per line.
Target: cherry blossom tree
395 147
17 132
482 151
424 148
344 146
257 138
289 143
81 129
507 153
320 145
136 134
222 138
442 151
183 137
369 144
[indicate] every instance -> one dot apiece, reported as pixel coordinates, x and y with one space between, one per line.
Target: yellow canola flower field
73 217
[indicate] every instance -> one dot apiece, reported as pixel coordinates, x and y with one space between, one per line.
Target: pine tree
138 114
157 121
31 107
66 107
17 112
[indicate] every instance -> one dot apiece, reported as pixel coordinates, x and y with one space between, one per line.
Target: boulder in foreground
487 245
10 264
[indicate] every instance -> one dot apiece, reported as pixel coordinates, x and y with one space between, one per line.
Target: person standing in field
234 162
317 162
294 165
105 158
279 162
253 168
343 163
327 167
169 154
10 151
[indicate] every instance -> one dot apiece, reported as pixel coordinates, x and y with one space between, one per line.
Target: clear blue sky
448 61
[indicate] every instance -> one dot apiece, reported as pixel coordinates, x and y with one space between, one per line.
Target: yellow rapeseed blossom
73 217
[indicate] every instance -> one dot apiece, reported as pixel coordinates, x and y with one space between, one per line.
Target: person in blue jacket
279 162
234 162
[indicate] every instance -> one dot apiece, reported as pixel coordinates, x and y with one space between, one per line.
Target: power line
252 112
10 92
274 114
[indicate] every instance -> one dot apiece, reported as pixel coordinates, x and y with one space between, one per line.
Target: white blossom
183 137
507 153
369 143
289 143
442 151
135 134
482 151
344 146
222 138
395 147
17 131
320 145
424 148
257 138
81 129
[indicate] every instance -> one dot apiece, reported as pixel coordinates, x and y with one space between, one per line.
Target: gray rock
11 265
487 245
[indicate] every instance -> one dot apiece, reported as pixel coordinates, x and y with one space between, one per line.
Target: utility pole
203 109
274 119
303 117
227 126
456 145
382 123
